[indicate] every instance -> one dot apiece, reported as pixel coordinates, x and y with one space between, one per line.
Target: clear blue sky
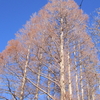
15 13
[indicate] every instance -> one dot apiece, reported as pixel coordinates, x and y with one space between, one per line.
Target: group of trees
53 57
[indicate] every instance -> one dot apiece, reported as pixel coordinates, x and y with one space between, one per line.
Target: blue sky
15 13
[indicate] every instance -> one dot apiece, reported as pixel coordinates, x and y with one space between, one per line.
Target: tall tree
52 57
94 31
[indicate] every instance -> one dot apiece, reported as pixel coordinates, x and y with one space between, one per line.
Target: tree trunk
24 75
93 94
62 77
38 81
82 91
88 92
77 88
39 71
93 98
69 78
48 98
76 77
81 77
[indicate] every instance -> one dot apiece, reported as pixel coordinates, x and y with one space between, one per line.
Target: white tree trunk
76 77
24 76
82 90
93 94
62 77
39 71
77 88
88 92
38 81
69 78
81 77
48 98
